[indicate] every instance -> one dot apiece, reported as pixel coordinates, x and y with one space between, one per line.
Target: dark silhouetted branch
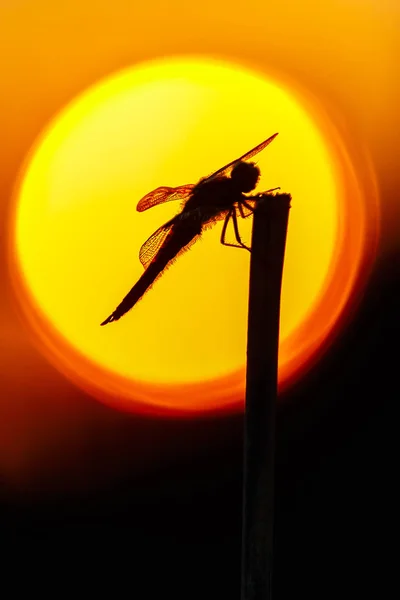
268 251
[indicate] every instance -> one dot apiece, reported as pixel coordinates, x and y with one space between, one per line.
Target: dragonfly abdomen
178 239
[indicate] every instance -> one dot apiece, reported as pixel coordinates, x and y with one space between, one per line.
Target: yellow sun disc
78 235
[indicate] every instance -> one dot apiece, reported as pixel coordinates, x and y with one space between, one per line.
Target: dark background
176 531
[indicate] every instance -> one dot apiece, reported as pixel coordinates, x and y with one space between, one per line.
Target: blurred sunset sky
344 54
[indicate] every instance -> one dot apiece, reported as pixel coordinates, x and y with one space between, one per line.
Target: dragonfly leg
241 210
225 225
250 208
237 235
223 232
258 197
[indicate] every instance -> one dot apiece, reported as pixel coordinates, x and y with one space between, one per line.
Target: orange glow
181 350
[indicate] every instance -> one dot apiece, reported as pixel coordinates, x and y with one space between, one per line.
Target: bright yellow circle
77 232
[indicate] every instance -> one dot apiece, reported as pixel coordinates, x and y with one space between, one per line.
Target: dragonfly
219 196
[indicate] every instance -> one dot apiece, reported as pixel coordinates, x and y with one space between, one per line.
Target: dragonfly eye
245 175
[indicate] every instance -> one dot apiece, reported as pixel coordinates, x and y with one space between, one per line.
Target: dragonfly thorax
215 194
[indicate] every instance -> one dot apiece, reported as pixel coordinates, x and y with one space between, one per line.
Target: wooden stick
266 267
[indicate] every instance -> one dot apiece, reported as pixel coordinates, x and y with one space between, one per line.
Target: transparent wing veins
224 171
164 194
153 244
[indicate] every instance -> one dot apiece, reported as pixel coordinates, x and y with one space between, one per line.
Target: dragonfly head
245 175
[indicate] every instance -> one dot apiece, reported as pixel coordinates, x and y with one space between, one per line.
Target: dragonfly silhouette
219 196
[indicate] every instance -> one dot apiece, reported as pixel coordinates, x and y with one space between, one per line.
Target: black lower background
177 532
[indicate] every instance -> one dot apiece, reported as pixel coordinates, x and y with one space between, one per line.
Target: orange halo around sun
75 234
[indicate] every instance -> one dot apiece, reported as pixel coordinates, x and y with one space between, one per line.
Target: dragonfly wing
151 246
224 171
164 194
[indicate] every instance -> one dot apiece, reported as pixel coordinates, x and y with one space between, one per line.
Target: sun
76 234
